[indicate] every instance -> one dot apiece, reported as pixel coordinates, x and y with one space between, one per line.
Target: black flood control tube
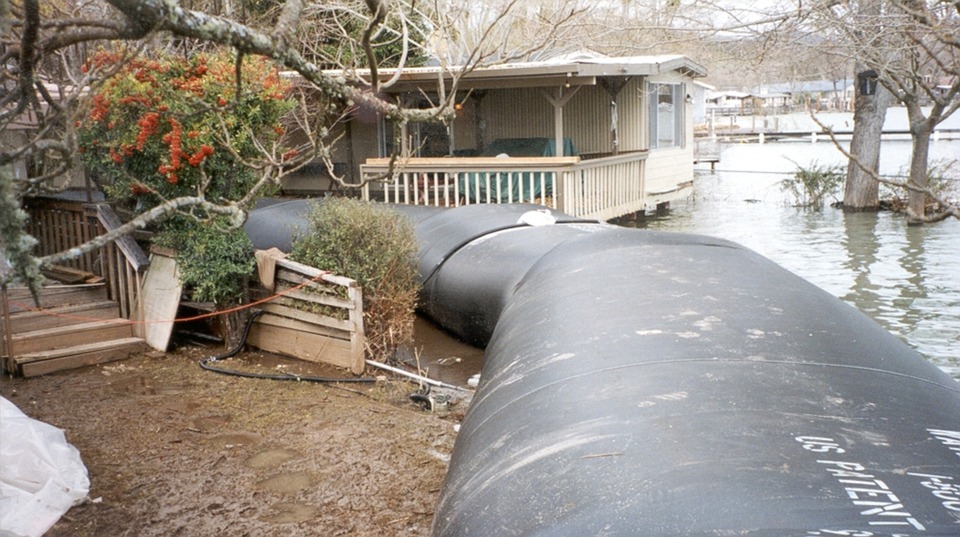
656 384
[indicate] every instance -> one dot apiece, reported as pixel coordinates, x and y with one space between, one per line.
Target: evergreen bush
377 248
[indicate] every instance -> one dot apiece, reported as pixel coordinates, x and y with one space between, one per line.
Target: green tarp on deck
513 185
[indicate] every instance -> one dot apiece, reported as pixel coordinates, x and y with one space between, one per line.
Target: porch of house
624 125
598 188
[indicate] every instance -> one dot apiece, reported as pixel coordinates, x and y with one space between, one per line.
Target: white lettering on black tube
872 496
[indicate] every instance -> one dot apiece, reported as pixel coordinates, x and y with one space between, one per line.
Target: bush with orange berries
159 128
165 127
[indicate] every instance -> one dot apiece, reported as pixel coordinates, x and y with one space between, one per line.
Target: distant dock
762 136
707 147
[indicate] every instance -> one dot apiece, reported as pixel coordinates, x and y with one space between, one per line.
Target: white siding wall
667 169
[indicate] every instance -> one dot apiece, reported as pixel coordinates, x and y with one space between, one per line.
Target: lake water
907 278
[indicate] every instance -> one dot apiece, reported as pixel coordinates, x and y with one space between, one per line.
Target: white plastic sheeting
41 475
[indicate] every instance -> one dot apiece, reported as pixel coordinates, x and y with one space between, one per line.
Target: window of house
666 115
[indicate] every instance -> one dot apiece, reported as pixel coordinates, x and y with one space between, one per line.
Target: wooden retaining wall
322 321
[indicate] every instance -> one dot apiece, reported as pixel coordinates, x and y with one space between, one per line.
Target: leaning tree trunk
862 190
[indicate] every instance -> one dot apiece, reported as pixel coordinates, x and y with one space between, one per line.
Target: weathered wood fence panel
59 225
321 321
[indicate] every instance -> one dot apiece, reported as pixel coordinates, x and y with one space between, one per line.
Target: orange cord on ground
177 320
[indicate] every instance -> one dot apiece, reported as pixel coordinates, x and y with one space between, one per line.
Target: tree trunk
916 208
232 326
862 191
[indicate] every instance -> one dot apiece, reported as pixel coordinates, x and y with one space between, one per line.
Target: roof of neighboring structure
577 70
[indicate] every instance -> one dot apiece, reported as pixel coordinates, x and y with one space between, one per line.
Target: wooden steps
56 295
41 363
67 336
77 327
28 321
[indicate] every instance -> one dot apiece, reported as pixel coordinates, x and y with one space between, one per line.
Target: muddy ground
172 449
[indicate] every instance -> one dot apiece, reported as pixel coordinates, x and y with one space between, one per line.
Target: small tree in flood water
811 186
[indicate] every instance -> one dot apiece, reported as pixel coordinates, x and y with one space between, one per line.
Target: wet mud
173 450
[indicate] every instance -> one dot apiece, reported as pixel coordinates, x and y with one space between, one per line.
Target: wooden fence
60 225
321 321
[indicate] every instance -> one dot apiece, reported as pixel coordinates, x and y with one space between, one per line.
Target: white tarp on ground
41 475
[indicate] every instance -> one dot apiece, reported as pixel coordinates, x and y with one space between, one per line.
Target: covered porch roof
548 73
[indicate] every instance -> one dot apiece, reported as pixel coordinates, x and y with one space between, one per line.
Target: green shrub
214 260
811 186
377 248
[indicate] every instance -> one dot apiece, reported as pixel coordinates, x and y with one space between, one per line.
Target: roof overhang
537 74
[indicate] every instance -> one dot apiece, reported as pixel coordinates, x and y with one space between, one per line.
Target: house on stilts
624 126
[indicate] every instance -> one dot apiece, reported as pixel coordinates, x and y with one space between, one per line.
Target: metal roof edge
594 67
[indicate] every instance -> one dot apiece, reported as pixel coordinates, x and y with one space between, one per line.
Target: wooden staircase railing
33 344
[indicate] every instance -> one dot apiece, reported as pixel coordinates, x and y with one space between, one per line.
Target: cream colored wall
465 126
631 106
586 120
667 170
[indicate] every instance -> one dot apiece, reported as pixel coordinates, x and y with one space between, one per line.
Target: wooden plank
64 352
464 163
299 294
29 321
159 301
307 318
322 285
300 326
302 345
71 275
312 272
131 250
68 336
53 296
107 352
358 342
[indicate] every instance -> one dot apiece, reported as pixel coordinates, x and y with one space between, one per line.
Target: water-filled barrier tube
660 384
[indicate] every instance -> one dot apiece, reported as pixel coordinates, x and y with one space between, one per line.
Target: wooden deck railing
123 263
60 225
599 188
